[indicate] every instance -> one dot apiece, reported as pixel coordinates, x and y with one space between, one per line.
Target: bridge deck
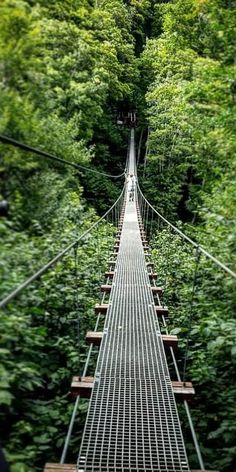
132 422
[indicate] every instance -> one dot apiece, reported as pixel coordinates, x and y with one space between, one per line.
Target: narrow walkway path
132 422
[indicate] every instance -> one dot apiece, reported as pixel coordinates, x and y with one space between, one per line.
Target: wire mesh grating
132 422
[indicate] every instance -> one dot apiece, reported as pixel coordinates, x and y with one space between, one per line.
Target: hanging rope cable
53 261
6 140
76 308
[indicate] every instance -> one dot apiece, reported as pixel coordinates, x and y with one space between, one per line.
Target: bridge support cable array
132 422
207 272
112 218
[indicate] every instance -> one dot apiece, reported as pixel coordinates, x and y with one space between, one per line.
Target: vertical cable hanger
76 307
190 317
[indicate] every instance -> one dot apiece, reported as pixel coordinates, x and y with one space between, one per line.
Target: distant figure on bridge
131 186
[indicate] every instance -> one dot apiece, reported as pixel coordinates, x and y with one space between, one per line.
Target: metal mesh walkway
132 422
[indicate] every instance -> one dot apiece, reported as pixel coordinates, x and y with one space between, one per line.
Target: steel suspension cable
7 140
186 406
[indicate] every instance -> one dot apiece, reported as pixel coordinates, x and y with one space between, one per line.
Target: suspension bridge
132 421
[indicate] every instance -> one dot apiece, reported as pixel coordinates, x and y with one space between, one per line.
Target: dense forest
67 68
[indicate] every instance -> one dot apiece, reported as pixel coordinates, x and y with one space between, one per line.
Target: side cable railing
111 215
196 286
145 206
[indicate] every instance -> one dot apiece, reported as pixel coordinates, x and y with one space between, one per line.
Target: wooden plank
161 310
59 467
109 274
94 337
101 308
170 340
157 290
106 288
152 275
72 468
183 390
82 386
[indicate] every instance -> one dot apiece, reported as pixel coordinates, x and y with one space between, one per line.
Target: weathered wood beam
170 340
101 308
161 310
94 337
183 390
82 386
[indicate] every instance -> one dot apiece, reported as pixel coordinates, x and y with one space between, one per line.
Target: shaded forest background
66 70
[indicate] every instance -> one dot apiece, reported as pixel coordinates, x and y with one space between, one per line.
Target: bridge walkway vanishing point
132 422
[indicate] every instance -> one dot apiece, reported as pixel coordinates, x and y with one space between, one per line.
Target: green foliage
211 363
191 116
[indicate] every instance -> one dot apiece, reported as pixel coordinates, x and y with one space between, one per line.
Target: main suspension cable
6 140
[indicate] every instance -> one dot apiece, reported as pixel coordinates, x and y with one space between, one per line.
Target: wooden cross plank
161 310
170 340
157 290
101 308
59 467
82 386
183 390
94 337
